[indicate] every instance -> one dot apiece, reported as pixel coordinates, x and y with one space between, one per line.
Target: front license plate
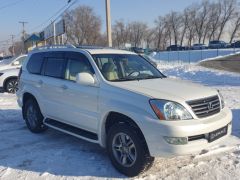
217 134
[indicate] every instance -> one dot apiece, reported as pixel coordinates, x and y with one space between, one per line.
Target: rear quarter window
35 63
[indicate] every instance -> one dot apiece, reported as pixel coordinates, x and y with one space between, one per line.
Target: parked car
9 80
12 63
117 99
9 70
137 50
5 57
235 44
218 44
175 48
199 47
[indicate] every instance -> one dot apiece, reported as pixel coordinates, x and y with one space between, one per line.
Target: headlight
221 99
168 110
1 74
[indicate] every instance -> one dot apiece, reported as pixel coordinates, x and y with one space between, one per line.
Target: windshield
125 67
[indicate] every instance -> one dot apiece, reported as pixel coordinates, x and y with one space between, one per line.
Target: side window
19 61
35 63
77 63
54 67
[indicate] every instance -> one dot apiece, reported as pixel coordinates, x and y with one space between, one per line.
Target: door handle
64 87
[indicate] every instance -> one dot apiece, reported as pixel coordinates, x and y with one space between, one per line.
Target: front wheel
126 150
11 85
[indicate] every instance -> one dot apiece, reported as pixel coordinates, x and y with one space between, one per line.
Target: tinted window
35 63
54 67
77 63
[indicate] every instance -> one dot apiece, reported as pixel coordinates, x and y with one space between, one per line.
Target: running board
71 130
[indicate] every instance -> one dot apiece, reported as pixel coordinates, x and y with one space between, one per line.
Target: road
231 63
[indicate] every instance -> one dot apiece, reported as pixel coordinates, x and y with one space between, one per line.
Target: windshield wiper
123 79
152 77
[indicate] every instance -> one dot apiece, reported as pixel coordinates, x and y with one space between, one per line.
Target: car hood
167 88
4 66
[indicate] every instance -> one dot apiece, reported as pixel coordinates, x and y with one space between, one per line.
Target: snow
54 155
192 56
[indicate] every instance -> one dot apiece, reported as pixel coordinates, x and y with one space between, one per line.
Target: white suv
119 100
9 70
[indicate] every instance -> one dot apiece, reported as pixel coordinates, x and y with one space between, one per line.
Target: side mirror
85 79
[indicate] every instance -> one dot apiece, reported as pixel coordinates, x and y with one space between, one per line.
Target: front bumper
1 81
155 131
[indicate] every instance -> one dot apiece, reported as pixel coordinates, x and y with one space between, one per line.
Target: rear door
52 84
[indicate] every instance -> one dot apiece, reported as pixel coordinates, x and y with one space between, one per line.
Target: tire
127 152
11 85
33 116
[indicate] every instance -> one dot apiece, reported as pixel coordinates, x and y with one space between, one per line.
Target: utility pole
13 49
108 23
54 33
23 27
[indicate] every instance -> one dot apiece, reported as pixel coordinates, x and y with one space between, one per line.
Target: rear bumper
1 82
156 130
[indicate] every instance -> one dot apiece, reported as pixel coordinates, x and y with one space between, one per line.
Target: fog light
176 140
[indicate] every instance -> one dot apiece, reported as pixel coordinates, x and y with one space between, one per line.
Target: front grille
205 107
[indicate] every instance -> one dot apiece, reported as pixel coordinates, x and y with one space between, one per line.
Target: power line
49 18
55 14
10 4
69 5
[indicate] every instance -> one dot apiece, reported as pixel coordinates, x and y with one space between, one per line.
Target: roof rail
91 47
54 46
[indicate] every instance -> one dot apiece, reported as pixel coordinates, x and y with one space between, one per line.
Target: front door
80 101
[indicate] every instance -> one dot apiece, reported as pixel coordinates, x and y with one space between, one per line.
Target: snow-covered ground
54 155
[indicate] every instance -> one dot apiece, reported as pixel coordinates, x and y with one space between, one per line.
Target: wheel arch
7 79
113 118
27 96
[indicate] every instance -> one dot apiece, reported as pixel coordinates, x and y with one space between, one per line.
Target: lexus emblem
210 105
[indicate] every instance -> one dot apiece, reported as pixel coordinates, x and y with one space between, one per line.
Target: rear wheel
126 150
11 85
33 116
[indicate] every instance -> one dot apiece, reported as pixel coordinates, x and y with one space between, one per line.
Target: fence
191 56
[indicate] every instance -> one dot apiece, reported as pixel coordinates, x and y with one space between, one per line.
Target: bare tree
236 25
200 18
121 33
148 38
185 23
18 48
214 19
83 26
137 33
159 34
190 32
175 23
228 7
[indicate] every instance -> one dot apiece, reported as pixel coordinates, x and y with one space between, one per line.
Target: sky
35 12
